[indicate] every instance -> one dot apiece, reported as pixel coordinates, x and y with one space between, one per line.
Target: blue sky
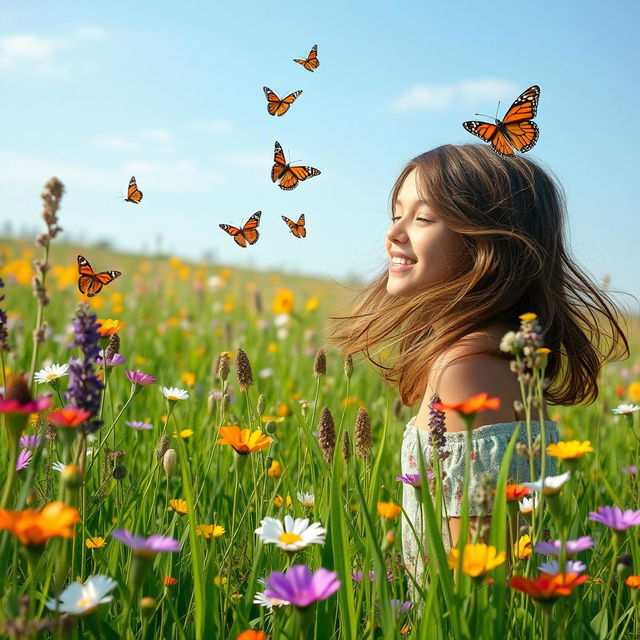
172 93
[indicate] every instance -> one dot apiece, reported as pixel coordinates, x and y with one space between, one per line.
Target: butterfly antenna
498 109
484 115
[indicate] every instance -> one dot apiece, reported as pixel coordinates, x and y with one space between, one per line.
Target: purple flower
85 388
573 546
300 587
113 360
414 479
358 575
631 470
140 378
138 424
23 460
146 546
29 442
399 607
553 567
615 518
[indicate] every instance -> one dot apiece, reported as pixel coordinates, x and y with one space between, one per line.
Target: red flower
479 402
169 581
516 492
547 587
68 417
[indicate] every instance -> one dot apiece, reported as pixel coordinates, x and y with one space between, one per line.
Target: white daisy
58 466
263 601
265 373
51 372
552 484
174 394
307 499
293 535
80 599
626 409
527 505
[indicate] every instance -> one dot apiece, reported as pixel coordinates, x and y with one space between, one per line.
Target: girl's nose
397 233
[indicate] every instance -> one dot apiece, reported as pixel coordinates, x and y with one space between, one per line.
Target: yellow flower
477 559
95 543
543 351
275 470
522 548
283 302
174 262
184 434
634 391
283 410
227 307
179 506
312 303
569 450
236 596
389 510
266 418
188 378
209 530
219 580
278 501
243 441
272 347
528 317
139 360
108 326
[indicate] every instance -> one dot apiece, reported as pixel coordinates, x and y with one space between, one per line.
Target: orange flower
179 506
569 450
252 635
243 440
35 528
170 581
479 402
108 327
389 510
209 530
633 582
275 470
516 492
95 543
547 588
68 417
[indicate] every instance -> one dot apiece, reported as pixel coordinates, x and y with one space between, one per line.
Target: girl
476 240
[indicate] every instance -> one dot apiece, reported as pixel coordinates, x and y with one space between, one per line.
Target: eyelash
394 218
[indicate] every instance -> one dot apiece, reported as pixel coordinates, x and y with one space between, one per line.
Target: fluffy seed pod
362 433
162 446
348 366
327 434
170 462
346 446
243 370
223 365
261 404
320 364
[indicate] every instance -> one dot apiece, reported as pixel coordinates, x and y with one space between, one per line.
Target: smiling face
420 235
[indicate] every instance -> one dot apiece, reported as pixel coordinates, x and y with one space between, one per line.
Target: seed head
362 433
162 446
243 370
348 366
346 446
223 366
320 364
170 462
327 434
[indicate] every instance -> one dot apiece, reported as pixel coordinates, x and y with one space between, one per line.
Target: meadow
155 496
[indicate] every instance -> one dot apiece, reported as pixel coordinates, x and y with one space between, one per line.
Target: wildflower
626 409
522 548
569 450
184 434
139 425
478 402
389 510
139 378
527 505
362 433
85 388
51 372
146 547
179 506
173 394
82 599
552 484
170 581
35 528
293 535
278 501
17 399
634 391
398 607
108 327
320 364
300 587
283 302
243 441
327 434
477 559
169 462
68 417
243 370
209 530
552 567
615 518
516 492
29 442
572 547
95 543
546 588
251 634
275 470
633 582
631 470
113 360
263 601
23 459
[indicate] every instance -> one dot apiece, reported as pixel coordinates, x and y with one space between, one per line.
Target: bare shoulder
465 369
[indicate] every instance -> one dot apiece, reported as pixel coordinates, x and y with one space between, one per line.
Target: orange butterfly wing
133 193
312 62
297 228
90 283
291 176
276 106
280 164
248 233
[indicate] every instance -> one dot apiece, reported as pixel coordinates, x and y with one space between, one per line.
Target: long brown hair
511 216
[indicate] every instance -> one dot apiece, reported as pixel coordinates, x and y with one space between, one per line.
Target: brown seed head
243 370
362 433
346 446
320 364
327 434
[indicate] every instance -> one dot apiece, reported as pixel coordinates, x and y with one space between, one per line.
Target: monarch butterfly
91 283
312 62
286 175
248 233
133 193
516 131
277 106
297 228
